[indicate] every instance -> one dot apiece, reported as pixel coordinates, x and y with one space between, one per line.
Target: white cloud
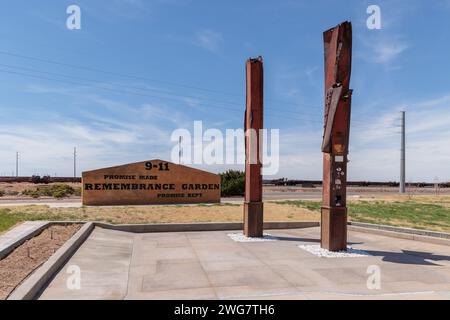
375 149
49 146
112 132
387 51
381 48
106 132
208 40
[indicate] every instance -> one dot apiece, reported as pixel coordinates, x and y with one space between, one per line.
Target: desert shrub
59 194
60 190
2 193
31 193
56 191
232 183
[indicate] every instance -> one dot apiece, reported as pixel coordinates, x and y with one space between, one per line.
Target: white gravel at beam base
324 253
240 237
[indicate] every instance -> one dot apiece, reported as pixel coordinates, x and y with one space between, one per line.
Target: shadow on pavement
409 257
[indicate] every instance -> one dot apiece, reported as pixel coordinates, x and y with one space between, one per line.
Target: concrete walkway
210 265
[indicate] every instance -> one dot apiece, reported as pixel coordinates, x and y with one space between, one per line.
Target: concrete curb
13 241
32 286
400 234
419 232
189 227
31 233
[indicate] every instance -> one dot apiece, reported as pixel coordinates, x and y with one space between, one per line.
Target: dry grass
427 212
157 214
424 211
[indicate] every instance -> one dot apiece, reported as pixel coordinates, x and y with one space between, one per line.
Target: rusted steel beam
253 123
338 60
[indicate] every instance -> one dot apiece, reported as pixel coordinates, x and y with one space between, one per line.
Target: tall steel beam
338 61
253 123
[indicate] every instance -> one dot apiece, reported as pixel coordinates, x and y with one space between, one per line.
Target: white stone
240 237
324 253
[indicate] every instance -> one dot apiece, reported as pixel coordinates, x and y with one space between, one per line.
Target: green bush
56 191
59 194
32 193
232 183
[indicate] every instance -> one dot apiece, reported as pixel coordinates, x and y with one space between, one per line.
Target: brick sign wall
149 182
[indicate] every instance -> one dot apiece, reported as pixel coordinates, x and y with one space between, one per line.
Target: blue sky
168 63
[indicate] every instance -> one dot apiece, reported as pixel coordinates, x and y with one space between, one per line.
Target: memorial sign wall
149 182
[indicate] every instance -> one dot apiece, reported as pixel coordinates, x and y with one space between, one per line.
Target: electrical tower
17 164
74 162
403 154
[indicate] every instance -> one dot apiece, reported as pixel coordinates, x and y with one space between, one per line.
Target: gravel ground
324 253
29 256
240 237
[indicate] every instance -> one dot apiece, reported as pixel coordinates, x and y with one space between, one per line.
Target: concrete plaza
210 265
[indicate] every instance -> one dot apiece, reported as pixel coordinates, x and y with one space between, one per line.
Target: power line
110 72
146 89
159 97
139 94
121 85
49 61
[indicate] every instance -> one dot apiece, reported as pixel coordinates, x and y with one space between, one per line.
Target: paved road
276 193
288 195
53 203
313 195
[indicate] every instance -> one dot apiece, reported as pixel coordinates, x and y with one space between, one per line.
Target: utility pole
436 186
180 152
74 162
403 155
17 164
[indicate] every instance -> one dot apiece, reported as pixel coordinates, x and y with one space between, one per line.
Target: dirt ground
13 190
29 256
19 187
